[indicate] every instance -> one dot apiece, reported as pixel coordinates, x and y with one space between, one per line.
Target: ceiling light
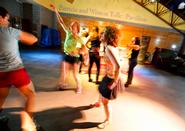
181 6
174 46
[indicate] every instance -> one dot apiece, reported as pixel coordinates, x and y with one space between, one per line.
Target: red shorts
18 78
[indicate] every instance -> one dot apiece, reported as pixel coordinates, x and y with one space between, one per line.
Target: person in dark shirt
94 53
134 48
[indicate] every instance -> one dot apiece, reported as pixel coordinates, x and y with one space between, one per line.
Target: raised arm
60 20
132 46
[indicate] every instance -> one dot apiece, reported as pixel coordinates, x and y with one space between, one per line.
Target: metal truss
160 9
162 12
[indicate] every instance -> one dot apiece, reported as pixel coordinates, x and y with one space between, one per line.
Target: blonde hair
75 23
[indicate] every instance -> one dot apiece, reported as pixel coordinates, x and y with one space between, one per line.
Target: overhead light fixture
157 41
181 6
174 46
152 1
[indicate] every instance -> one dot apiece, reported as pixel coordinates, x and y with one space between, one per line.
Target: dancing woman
73 46
110 40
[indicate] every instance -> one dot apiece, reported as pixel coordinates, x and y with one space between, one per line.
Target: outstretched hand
52 6
60 20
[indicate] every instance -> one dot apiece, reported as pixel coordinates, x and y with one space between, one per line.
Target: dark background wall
12 6
29 16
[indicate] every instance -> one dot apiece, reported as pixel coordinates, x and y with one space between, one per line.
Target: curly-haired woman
110 40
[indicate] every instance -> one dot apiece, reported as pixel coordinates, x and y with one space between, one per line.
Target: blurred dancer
133 53
94 53
84 57
73 47
12 71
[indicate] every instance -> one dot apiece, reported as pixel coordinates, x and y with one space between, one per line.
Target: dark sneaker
90 80
126 85
97 82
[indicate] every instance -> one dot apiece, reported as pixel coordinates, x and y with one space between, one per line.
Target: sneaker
79 90
27 123
103 125
90 80
97 104
4 119
126 85
97 82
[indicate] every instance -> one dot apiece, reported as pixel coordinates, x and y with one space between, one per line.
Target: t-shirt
9 49
71 44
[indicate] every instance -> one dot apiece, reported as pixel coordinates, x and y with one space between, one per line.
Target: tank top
134 54
95 45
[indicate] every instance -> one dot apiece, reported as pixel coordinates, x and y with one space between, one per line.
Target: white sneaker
103 125
79 90
27 123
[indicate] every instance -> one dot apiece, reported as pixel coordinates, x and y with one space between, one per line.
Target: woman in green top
73 45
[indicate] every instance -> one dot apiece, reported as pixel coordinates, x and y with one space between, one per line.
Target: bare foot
79 90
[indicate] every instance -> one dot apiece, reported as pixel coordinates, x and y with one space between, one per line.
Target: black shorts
71 59
81 58
103 87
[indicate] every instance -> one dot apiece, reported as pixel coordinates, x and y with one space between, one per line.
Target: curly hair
111 35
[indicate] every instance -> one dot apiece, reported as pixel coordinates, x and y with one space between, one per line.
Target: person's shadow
60 119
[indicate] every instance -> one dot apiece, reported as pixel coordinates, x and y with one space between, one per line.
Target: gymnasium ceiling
122 11
172 12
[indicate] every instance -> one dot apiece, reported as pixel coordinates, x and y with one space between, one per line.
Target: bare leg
106 108
28 92
107 113
98 103
63 73
76 76
4 91
27 115
3 94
